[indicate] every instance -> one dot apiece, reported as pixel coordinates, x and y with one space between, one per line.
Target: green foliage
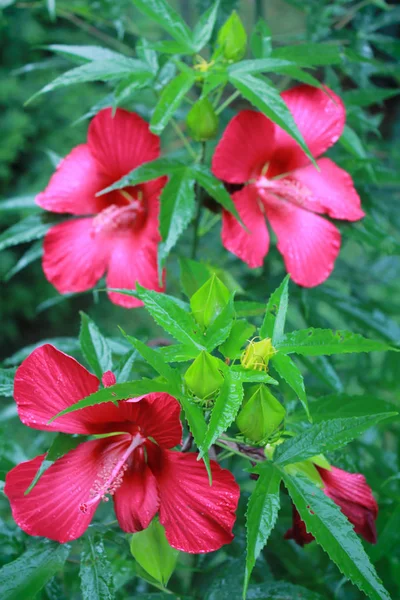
151 550
95 573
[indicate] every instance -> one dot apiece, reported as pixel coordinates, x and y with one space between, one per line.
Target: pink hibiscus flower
120 232
351 492
284 188
135 466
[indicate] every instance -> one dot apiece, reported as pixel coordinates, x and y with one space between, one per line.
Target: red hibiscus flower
351 492
284 188
135 466
119 233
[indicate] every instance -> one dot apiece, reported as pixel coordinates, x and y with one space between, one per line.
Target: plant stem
199 202
227 102
183 139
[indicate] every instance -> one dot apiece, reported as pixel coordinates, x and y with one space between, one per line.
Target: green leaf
170 315
322 368
162 13
94 346
7 382
170 100
367 96
215 188
275 315
178 353
310 54
209 301
345 406
119 391
87 53
193 275
316 342
262 512
240 333
259 65
95 571
32 254
146 172
289 371
18 203
26 230
249 309
388 536
145 51
177 209
250 376
24 577
325 437
62 444
150 548
197 425
219 330
352 142
332 531
264 96
204 27
102 70
156 360
225 409
51 9
260 40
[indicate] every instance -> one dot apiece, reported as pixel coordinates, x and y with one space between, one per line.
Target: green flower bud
202 121
209 301
257 355
232 38
203 377
152 551
261 415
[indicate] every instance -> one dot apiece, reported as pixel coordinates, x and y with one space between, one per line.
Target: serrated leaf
170 100
7 382
250 376
19 203
162 13
170 315
261 515
240 333
317 342
119 391
204 27
264 96
177 209
367 96
259 65
178 353
28 574
260 40
156 360
193 275
87 53
310 54
325 437
123 368
197 425
345 406
289 371
225 409
332 531
215 188
275 314
94 346
68 345
28 229
95 571
219 329
322 368
388 536
32 254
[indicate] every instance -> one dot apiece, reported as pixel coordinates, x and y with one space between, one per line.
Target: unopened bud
232 38
202 120
209 301
203 377
261 415
257 355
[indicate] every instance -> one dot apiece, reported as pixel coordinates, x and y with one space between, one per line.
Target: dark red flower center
129 212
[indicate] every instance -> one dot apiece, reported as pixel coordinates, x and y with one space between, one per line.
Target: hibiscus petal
73 187
331 190
309 243
246 146
320 116
136 501
54 508
74 258
47 382
251 246
158 416
197 517
121 142
298 532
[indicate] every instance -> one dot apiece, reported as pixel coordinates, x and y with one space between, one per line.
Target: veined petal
245 147
320 116
136 501
122 142
197 517
59 506
309 243
331 190
252 245
74 257
73 187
